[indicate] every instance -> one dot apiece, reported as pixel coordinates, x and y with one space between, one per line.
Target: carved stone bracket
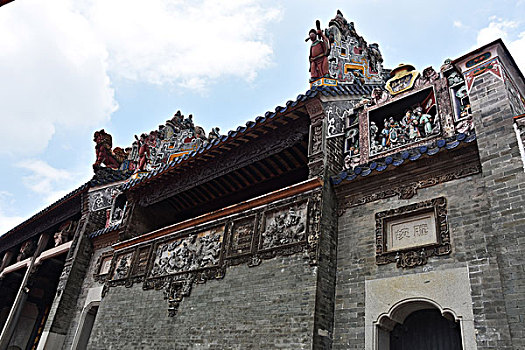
411 234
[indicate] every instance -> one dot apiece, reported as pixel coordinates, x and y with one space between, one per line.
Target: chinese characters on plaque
411 232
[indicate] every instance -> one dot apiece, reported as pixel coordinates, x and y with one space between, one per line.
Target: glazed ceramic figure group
413 126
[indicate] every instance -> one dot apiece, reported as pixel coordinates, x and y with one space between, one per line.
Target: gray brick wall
265 307
469 224
76 310
504 180
486 215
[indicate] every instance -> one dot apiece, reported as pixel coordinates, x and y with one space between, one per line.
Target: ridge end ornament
402 78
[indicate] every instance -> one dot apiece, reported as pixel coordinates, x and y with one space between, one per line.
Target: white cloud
53 72
7 221
189 43
57 56
458 24
499 28
517 50
47 182
496 29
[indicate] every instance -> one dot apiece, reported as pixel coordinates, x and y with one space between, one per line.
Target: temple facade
384 209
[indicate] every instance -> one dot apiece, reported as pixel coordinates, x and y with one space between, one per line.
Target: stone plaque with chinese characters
242 236
411 232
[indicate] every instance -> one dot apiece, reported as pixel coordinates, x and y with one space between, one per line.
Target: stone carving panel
284 226
175 263
122 266
195 252
103 198
103 267
316 138
336 115
411 234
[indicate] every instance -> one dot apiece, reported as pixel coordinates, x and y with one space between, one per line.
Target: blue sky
68 68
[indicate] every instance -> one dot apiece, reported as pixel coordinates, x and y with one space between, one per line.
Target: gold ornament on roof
402 79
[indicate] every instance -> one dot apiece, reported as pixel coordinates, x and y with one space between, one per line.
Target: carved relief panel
316 138
174 263
194 252
103 198
122 266
283 226
103 267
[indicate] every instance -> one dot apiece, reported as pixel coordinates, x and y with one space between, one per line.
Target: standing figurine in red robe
319 53
143 152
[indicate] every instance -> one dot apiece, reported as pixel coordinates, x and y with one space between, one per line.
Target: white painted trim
16 266
50 253
520 145
93 298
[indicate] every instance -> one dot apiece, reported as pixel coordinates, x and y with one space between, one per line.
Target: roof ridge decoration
178 137
340 56
315 91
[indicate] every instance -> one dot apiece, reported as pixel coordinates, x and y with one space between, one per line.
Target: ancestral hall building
384 209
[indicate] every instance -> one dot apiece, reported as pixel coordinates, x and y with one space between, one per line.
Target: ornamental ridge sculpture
105 155
176 138
319 51
338 55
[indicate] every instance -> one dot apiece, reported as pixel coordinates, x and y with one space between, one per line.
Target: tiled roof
104 231
104 176
44 211
402 157
347 90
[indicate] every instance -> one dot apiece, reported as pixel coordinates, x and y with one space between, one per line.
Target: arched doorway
418 324
85 326
426 330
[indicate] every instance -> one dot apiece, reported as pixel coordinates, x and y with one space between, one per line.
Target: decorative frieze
173 263
409 235
405 190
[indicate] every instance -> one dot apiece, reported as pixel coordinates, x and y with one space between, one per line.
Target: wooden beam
233 209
